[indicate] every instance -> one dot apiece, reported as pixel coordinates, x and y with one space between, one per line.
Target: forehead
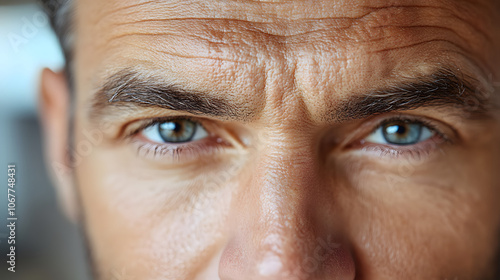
250 46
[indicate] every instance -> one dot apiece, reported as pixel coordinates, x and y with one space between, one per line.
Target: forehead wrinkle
200 58
279 30
350 32
283 28
411 27
479 27
291 10
213 39
243 42
264 12
393 17
414 16
411 21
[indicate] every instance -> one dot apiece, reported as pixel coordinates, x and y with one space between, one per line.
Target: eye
400 132
174 131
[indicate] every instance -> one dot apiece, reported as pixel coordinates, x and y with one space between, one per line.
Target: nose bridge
286 183
275 227
272 212
284 180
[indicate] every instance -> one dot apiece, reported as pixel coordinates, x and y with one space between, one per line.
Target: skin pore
286 177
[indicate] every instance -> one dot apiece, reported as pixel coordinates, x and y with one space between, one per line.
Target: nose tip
271 265
322 259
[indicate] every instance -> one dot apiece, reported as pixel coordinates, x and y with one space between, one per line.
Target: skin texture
288 192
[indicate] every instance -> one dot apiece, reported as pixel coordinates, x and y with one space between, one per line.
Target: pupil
401 129
177 127
172 126
396 129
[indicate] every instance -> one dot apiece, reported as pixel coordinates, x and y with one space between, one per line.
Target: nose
283 222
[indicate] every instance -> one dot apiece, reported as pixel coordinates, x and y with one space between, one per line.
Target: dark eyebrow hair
441 89
127 88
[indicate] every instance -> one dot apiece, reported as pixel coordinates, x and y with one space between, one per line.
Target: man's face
288 139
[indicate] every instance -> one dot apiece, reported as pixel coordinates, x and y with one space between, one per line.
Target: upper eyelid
408 119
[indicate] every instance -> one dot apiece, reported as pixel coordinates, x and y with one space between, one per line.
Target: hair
60 13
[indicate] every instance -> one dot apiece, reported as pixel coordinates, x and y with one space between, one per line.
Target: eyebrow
441 89
444 89
128 88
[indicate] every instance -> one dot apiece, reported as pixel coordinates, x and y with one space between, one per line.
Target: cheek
426 218
141 218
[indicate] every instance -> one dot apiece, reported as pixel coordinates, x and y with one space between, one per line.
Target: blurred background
47 245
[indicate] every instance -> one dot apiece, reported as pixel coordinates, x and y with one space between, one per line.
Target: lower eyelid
183 152
415 151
